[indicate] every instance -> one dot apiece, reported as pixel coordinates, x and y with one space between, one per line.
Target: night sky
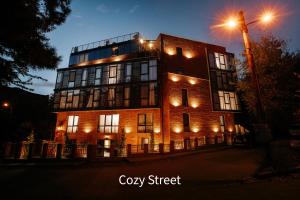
95 20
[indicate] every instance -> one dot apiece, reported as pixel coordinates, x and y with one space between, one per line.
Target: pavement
222 174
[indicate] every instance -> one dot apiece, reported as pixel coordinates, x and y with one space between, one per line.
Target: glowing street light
5 104
267 17
232 23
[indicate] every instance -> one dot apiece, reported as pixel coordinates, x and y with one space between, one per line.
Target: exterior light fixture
5 104
188 55
195 130
192 81
170 51
175 103
157 130
127 130
215 130
177 130
174 78
141 41
150 45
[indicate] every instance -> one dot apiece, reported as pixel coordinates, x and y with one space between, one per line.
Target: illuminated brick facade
146 91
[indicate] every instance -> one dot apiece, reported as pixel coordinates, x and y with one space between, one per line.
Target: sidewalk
79 162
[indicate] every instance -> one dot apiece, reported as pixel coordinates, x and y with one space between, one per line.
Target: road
214 175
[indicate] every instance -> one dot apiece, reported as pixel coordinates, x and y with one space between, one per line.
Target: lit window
128 69
152 70
72 124
221 61
222 123
228 100
84 77
98 76
71 79
112 75
144 72
59 79
109 123
145 123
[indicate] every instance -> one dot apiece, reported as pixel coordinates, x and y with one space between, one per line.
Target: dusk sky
96 20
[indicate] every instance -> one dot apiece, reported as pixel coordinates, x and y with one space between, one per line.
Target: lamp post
251 66
261 128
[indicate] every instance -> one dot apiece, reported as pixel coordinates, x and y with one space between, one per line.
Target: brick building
137 91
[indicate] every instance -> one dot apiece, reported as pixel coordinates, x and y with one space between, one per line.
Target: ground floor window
222 123
109 123
145 123
72 124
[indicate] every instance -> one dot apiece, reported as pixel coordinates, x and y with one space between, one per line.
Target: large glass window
152 70
72 124
111 98
221 61
145 123
112 74
98 76
84 77
109 123
228 100
59 79
127 74
144 72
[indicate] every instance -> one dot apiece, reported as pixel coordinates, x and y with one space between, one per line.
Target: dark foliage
23 41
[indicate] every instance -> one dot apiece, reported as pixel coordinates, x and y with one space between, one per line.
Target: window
144 72
111 97
126 96
145 123
152 89
112 74
144 95
186 122
72 99
228 100
185 101
152 70
109 123
59 79
222 123
72 124
72 79
127 75
98 76
221 61
179 51
84 77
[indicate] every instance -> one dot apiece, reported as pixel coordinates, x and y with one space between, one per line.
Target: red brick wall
203 120
88 123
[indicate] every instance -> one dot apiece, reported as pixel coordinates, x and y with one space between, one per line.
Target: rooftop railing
101 43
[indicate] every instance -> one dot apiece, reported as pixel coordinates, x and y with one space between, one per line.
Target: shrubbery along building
136 91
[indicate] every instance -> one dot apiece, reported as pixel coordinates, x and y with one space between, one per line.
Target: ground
211 175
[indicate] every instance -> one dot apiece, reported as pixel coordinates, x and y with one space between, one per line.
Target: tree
277 70
23 41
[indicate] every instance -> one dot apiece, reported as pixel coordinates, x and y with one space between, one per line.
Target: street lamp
261 128
239 21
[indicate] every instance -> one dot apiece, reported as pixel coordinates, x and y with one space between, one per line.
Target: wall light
157 130
230 129
195 130
141 41
215 130
127 130
177 130
192 81
194 104
188 55
175 102
150 45
170 51
174 78
87 130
